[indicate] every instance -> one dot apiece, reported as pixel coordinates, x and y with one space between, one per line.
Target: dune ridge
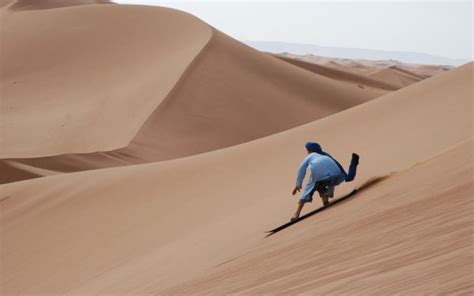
152 213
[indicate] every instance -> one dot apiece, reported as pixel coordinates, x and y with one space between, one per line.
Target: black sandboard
281 227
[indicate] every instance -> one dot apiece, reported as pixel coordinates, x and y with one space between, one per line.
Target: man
326 174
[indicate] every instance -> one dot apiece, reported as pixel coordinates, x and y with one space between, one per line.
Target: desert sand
397 75
343 72
48 4
172 181
86 75
390 72
184 102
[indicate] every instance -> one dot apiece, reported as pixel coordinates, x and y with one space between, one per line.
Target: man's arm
301 174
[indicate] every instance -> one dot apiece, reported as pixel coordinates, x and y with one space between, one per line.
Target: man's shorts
323 187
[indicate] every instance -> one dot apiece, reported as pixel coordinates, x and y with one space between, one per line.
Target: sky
442 28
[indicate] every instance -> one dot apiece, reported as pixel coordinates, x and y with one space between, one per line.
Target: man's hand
296 190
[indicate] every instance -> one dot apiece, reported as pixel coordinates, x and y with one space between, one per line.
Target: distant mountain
354 53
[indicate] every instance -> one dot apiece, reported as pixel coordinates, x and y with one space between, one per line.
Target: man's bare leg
325 200
298 211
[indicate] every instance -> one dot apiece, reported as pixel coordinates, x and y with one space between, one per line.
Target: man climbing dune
326 174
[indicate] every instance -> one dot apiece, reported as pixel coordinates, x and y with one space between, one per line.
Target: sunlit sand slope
155 228
410 235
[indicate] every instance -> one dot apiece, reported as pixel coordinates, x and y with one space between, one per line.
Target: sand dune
212 93
5 2
340 74
429 70
105 77
407 72
391 241
154 228
47 4
362 66
397 76
336 63
353 65
227 125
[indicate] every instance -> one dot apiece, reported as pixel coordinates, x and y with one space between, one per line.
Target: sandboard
288 224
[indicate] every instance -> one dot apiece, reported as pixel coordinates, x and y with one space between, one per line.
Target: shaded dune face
19 5
186 91
234 94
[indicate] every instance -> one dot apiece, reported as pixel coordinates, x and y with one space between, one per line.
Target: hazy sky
441 28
